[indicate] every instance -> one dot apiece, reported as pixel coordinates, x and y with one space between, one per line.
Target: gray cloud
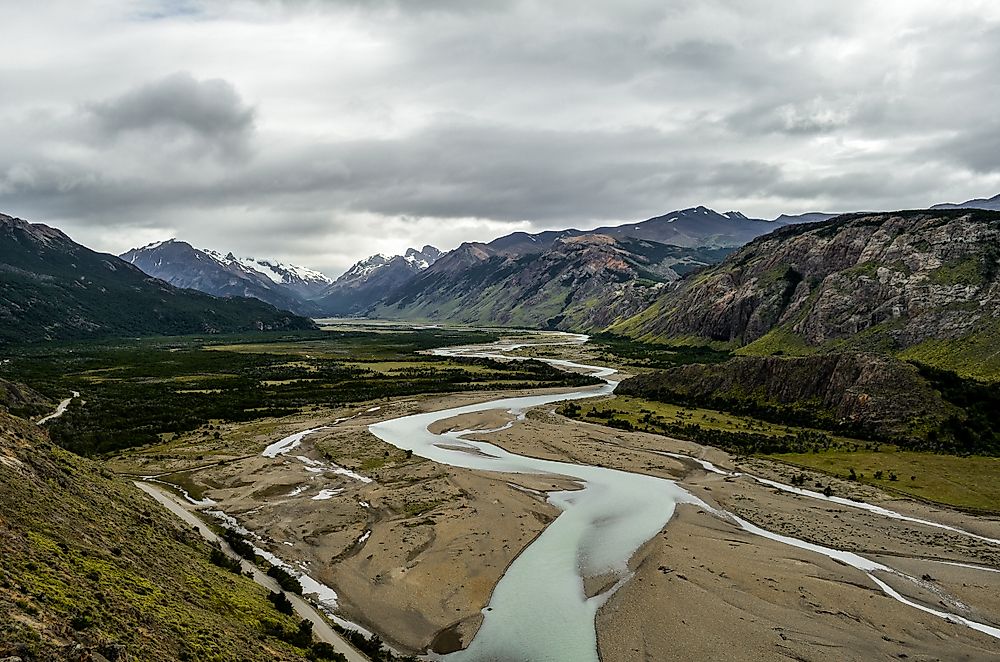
325 131
180 107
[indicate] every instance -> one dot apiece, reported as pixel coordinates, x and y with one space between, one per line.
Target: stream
540 609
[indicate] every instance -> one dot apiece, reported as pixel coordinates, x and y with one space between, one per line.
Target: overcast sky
322 132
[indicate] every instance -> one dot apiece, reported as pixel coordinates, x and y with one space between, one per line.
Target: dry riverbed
415 552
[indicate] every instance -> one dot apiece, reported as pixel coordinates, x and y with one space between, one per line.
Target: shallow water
539 610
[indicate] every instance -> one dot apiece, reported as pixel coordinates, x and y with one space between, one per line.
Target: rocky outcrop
889 282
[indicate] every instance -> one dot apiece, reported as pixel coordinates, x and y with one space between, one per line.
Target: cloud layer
321 132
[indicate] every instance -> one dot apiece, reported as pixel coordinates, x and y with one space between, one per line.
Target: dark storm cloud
179 105
324 131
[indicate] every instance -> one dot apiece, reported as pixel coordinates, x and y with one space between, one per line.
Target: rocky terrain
580 282
52 288
918 284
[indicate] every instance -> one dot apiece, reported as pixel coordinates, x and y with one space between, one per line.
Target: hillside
580 282
182 265
92 567
917 284
52 288
862 395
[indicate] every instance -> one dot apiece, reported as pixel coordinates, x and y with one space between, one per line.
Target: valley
499 331
412 539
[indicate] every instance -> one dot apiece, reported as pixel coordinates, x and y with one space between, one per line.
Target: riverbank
417 552
322 631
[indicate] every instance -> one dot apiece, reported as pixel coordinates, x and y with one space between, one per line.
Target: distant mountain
582 281
918 284
304 282
369 280
693 227
808 217
52 288
182 265
979 203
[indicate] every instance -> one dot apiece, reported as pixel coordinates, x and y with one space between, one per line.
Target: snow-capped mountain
306 283
370 279
182 265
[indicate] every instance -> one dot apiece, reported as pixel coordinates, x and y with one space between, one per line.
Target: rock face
580 282
369 280
52 288
878 396
922 284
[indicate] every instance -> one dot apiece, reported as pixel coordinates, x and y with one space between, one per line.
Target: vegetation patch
237 382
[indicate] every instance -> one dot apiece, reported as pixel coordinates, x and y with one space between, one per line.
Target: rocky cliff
918 284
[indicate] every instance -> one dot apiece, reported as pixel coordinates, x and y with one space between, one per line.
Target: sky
323 132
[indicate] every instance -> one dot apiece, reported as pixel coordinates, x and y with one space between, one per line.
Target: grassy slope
89 559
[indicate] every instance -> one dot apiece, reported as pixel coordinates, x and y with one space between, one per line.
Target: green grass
635 409
965 482
971 483
965 271
976 356
88 558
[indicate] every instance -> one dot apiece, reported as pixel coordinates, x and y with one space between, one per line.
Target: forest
136 391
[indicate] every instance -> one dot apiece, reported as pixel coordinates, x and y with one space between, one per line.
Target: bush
285 579
223 560
281 602
239 544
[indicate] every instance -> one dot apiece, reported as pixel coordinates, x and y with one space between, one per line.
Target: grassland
964 482
639 412
968 483
88 560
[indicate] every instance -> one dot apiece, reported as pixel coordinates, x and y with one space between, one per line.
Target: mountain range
387 285
978 203
288 287
52 288
905 283
582 281
368 280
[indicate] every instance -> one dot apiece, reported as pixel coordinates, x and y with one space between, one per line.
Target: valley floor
414 548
